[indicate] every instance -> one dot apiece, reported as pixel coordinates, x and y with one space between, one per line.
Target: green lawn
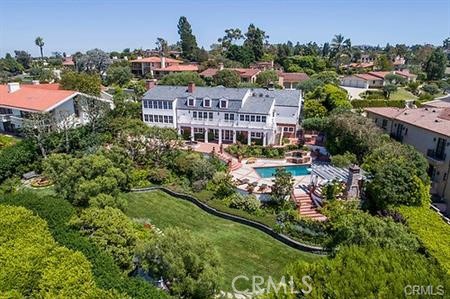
6 140
244 250
402 94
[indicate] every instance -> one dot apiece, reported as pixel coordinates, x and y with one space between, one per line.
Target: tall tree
162 46
254 40
95 60
336 43
188 40
39 41
231 35
435 66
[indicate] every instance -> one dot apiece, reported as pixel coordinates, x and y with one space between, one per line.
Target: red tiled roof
432 119
40 97
379 74
179 68
367 77
242 72
156 59
406 74
293 77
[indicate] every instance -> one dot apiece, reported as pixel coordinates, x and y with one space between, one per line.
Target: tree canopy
182 78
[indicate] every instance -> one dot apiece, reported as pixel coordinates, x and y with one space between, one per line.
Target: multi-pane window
150 118
157 104
229 116
256 135
223 104
191 102
207 103
202 115
253 118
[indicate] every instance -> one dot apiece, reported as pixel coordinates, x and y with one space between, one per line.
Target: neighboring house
19 101
362 81
68 62
291 80
156 66
428 130
246 75
220 114
374 79
443 102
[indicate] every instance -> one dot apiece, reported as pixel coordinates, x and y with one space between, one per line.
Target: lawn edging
259 226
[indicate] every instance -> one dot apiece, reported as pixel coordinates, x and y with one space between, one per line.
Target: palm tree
40 43
336 42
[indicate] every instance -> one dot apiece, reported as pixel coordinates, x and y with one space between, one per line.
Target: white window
258 118
191 101
146 117
170 105
256 134
145 104
247 118
206 102
211 116
160 118
223 103
150 118
241 117
252 118
166 119
263 119
194 114
165 104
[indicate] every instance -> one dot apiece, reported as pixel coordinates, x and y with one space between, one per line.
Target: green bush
17 159
107 274
247 203
246 151
378 103
433 232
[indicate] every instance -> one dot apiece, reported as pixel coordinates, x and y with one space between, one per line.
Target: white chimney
163 62
13 86
35 82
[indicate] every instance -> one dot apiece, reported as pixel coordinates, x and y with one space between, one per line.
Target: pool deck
247 171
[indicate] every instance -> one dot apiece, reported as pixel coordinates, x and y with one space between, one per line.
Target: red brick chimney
191 87
149 84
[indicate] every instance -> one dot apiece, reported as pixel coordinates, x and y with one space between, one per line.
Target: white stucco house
224 115
18 101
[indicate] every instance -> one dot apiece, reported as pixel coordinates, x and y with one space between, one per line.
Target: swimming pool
296 170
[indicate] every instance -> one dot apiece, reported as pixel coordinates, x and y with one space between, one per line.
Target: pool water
296 170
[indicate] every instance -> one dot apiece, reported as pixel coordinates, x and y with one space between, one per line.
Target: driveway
354 92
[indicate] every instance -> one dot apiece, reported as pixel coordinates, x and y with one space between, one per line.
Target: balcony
437 156
399 138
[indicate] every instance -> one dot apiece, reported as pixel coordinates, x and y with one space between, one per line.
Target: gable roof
379 74
156 59
367 77
35 98
178 68
293 77
432 119
242 72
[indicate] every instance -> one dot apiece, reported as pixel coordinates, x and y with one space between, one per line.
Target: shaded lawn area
6 140
402 94
244 250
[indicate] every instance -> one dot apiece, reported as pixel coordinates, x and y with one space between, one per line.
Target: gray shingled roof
283 97
260 100
257 105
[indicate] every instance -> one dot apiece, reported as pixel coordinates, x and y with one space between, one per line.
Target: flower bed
41 182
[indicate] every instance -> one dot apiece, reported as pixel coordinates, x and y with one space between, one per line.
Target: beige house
428 130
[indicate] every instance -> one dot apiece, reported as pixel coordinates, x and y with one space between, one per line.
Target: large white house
219 114
18 101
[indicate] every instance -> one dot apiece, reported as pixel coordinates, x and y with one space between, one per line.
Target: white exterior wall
353 81
164 112
424 140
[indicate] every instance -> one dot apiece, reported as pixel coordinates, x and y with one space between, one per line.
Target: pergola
328 173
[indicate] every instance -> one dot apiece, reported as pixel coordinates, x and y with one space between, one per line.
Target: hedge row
378 103
433 232
107 274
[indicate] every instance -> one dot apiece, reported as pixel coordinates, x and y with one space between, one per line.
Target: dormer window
206 102
191 102
223 103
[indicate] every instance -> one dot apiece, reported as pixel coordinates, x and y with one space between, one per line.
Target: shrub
159 175
17 159
139 178
57 212
111 230
247 203
102 201
344 160
431 88
432 231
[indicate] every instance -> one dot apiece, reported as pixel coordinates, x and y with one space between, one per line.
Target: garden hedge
378 103
433 232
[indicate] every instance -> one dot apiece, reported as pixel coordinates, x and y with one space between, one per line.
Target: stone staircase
306 206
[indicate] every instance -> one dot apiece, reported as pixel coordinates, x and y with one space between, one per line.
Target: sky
70 25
